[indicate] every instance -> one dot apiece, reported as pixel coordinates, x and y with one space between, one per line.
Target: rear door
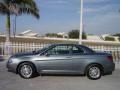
78 58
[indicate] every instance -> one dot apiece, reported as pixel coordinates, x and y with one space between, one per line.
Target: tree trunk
8 28
7 43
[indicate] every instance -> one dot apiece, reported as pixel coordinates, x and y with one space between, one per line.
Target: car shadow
58 75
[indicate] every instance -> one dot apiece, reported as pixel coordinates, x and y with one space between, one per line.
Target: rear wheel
26 70
94 72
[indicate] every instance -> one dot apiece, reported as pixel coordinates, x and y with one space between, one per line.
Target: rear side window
77 50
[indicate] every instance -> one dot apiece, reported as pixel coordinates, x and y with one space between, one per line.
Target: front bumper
11 67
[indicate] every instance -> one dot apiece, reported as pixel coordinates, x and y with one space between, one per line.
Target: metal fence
23 45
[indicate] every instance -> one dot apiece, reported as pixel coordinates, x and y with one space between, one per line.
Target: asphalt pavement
11 81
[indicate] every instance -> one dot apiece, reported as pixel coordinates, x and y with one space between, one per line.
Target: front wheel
26 70
94 72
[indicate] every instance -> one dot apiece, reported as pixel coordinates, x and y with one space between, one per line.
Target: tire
94 72
26 70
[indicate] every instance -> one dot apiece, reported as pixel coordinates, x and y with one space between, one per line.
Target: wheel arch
99 65
25 62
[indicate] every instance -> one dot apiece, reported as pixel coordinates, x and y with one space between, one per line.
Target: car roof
67 44
82 46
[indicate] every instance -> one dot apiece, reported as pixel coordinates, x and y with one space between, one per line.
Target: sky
99 17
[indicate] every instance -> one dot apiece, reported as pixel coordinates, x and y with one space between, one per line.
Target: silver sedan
62 59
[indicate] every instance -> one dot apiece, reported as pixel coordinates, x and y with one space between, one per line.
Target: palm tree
17 7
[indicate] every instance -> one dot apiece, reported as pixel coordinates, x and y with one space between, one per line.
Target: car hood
23 54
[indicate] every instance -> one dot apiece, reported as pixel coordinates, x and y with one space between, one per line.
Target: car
62 59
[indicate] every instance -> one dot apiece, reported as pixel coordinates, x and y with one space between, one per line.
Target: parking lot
11 81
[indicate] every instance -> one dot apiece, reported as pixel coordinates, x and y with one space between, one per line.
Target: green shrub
119 38
109 39
74 34
84 36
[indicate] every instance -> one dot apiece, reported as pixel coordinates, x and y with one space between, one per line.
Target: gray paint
62 64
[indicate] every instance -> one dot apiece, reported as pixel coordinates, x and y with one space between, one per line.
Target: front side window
60 50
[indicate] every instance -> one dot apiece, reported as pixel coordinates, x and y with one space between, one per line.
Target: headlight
13 60
10 60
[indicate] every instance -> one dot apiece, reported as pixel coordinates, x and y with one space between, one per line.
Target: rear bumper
110 68
113 66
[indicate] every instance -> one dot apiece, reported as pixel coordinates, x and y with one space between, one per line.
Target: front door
57 59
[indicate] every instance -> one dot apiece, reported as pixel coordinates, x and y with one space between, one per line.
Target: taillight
110 58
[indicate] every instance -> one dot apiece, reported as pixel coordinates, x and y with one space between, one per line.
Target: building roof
29 33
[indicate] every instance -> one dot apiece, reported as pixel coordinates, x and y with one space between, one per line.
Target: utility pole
14 26
81 22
